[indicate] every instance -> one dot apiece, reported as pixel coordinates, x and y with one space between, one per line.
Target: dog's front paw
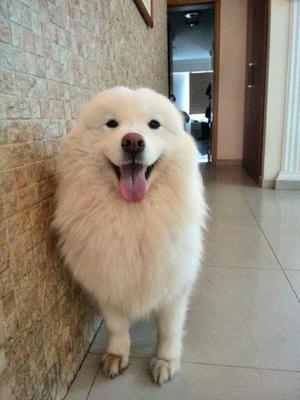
163 370
113 365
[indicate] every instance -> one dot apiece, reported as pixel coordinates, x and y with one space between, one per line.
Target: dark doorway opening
193 67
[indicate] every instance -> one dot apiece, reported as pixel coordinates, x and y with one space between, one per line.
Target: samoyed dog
130 216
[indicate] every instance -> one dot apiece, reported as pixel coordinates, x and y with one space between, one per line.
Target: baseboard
280 184
288 181
267 183
229 162
287 185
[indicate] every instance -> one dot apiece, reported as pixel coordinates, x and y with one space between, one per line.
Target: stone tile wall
53 56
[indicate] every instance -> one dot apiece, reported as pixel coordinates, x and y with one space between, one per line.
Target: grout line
240 366
225 365
277 268
219 365
85 356
266 238
93 382
292 269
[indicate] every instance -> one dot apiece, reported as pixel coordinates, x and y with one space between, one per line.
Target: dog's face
129 132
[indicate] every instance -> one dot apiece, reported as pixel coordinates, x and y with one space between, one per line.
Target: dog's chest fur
129 255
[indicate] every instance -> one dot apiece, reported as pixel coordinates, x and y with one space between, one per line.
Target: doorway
193 70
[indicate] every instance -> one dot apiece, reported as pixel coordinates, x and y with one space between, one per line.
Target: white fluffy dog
130 214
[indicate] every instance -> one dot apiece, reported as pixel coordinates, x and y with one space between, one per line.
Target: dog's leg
171 318
115 359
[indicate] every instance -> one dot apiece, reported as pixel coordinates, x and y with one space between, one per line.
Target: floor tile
241 177
218 171
238 245
285 241
294 278
248 318
84 379
196 382
276 212
237 214
143 339
244 317
223 190
273 206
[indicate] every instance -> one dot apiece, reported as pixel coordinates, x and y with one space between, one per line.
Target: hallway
243 326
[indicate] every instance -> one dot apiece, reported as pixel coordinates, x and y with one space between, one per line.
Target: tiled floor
243 327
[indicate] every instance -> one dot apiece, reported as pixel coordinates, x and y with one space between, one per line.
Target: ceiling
191 43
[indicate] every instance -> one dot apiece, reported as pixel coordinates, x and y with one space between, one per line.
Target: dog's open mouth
132 179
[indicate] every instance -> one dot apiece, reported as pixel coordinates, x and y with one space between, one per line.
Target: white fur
135 258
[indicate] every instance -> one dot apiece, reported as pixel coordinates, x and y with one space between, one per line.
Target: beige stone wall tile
53 57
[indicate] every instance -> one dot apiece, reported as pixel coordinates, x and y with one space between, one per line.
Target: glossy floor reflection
243 326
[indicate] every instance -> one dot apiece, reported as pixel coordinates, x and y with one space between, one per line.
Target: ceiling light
192 18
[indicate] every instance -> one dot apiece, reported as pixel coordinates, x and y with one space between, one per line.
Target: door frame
216 66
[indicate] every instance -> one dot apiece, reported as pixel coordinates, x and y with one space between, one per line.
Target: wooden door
257 33
170 60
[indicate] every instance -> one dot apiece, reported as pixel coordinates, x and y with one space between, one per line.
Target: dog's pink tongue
132 184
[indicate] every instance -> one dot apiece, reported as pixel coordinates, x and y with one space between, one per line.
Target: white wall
233 29
181 90
276 90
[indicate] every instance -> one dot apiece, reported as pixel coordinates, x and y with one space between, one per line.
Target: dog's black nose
133 143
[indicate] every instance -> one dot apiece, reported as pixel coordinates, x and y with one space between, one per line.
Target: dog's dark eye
112 123
153 124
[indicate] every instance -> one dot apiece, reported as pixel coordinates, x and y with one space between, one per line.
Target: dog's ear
90 114
93 113
182 117
180 114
